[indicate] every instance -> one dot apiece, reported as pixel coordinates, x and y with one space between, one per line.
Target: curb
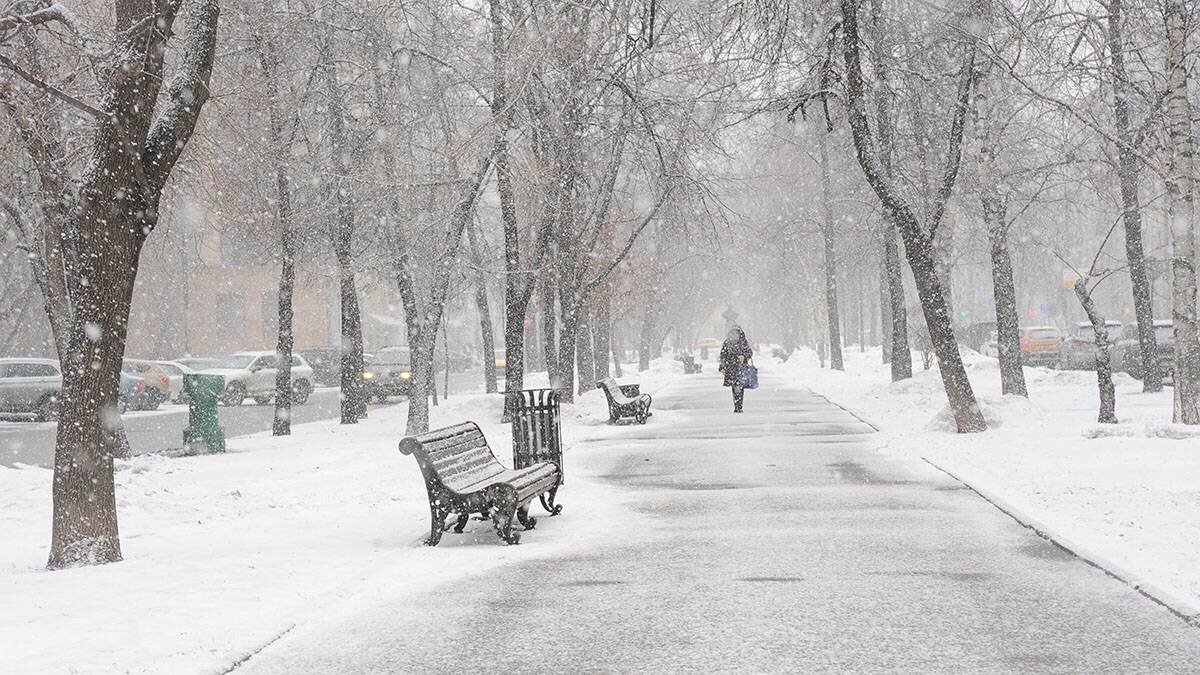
1184 608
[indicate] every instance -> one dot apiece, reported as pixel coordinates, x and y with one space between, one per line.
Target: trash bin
537 435
203 433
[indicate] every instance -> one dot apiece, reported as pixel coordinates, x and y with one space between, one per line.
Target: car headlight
406 376
368 375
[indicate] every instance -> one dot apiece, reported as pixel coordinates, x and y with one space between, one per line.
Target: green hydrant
203 434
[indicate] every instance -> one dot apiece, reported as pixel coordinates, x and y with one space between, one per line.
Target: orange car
1041 345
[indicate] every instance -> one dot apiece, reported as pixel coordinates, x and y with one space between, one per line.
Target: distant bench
463 477
625 400
690 367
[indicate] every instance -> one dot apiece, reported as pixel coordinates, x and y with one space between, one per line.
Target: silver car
253 374
30 386
1079 348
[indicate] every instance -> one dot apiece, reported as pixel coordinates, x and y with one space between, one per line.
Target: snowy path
770 541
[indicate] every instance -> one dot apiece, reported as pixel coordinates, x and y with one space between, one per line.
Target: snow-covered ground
223 553
1126 496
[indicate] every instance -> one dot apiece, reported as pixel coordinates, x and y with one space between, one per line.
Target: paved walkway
781 542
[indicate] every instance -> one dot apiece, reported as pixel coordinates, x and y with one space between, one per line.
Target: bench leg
462 523
437 525
548 502
527 521
504 509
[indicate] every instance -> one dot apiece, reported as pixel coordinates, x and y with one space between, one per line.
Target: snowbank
1126 496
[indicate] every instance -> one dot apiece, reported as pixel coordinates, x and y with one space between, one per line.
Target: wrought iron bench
462 476
690 367
625 400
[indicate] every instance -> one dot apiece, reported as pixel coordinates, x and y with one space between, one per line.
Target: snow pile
1126 495
224 553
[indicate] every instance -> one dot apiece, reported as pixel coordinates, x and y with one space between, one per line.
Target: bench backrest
613 391
453 457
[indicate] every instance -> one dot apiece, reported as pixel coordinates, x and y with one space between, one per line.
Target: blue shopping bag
748 377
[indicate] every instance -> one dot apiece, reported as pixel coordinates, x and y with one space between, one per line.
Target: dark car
326 363
388 373
1127 354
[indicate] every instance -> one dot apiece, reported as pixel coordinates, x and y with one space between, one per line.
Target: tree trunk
549 329
1008 332
282 424
1180 185
353 404
85 528
585 356
354 400
567 338
602 332
645 339
117 207
896 330
918 242
616 356
1108 394
827 235
487 339
1128 171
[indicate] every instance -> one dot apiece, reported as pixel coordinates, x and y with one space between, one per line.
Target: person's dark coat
730 351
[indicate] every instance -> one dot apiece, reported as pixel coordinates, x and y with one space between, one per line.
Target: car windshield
391 357
1043 334
236 361
170 369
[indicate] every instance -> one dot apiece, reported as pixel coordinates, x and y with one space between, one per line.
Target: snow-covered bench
625 400
462 476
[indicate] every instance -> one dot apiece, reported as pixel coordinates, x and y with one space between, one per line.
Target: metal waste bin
203 433
537 435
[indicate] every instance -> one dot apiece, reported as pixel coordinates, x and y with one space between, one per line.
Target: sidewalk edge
1184 608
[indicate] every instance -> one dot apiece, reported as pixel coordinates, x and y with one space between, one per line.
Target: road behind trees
32 443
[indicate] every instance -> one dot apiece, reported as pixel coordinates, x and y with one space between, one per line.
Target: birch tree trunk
1180 184
828 238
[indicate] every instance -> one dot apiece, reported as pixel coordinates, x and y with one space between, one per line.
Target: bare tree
918 237
92 228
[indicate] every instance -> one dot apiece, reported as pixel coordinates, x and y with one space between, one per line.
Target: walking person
735 354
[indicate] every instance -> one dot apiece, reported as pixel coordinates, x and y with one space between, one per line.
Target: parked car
326 363
501 358
131 393
158 381
388 373
1127 354
976 335
196 363
253 374
175 372
30 386
1040 345
1079 348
